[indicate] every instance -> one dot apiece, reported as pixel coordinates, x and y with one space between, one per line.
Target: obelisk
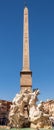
26 74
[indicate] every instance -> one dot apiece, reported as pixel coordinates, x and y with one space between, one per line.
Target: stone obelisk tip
25 10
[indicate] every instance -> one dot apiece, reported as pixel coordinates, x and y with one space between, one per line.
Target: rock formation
24 111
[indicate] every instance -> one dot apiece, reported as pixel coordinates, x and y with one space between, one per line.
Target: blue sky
41 33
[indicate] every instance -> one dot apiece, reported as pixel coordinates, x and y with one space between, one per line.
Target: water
30 129
25 129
